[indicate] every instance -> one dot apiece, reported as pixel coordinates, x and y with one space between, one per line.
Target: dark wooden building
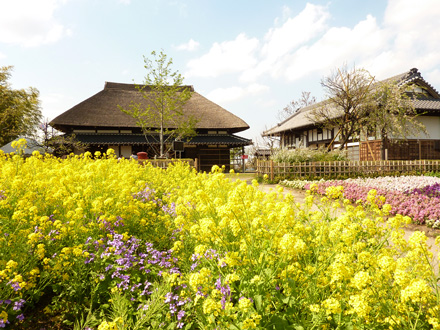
299 130
99 124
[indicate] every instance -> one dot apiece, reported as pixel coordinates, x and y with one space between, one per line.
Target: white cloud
30 23
305 44
294 32
125 2
417 31
339 45
191 45
413 31
280 42
224 95
224 58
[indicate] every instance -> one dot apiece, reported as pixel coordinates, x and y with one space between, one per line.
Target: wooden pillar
271 170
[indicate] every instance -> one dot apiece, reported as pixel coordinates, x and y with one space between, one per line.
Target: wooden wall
215 156
403 150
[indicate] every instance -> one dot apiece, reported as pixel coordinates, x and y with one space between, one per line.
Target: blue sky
250 57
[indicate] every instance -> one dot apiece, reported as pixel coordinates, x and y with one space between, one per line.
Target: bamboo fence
344 168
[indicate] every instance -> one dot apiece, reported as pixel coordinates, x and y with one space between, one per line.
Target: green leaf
258 302
277 323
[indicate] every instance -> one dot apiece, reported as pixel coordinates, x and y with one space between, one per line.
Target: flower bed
413 196
100 244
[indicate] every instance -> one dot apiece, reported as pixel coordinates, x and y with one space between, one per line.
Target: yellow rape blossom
331 306
244 304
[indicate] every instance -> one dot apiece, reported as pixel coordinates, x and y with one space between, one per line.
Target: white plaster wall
126 151
432 125
335 130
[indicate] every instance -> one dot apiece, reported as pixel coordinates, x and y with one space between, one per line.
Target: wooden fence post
271 170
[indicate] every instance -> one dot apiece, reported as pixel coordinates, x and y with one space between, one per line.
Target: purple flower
168 297
173 308
20 317
3 323
15 285
18 304
180 314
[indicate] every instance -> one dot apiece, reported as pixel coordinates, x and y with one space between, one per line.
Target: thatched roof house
99 123
301 130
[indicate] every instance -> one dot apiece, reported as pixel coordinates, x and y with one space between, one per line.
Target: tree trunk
384 145
161 135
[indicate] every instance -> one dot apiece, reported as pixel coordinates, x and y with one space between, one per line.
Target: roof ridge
135 87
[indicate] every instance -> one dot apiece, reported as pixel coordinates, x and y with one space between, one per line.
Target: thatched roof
101 110
302 119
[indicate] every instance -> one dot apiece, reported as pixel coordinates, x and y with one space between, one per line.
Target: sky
250 57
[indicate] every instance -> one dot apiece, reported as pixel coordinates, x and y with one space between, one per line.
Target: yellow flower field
91 242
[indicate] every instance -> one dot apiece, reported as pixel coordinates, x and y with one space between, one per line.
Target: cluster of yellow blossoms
247 259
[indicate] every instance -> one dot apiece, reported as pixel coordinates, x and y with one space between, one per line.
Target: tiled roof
301 118
428 105
137 139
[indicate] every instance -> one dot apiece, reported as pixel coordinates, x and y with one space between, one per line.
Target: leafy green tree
163 112
20 111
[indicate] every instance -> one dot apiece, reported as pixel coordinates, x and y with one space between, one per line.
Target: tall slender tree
163 112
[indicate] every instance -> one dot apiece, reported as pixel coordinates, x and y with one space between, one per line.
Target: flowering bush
100 244
413 196
298 184
302 155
